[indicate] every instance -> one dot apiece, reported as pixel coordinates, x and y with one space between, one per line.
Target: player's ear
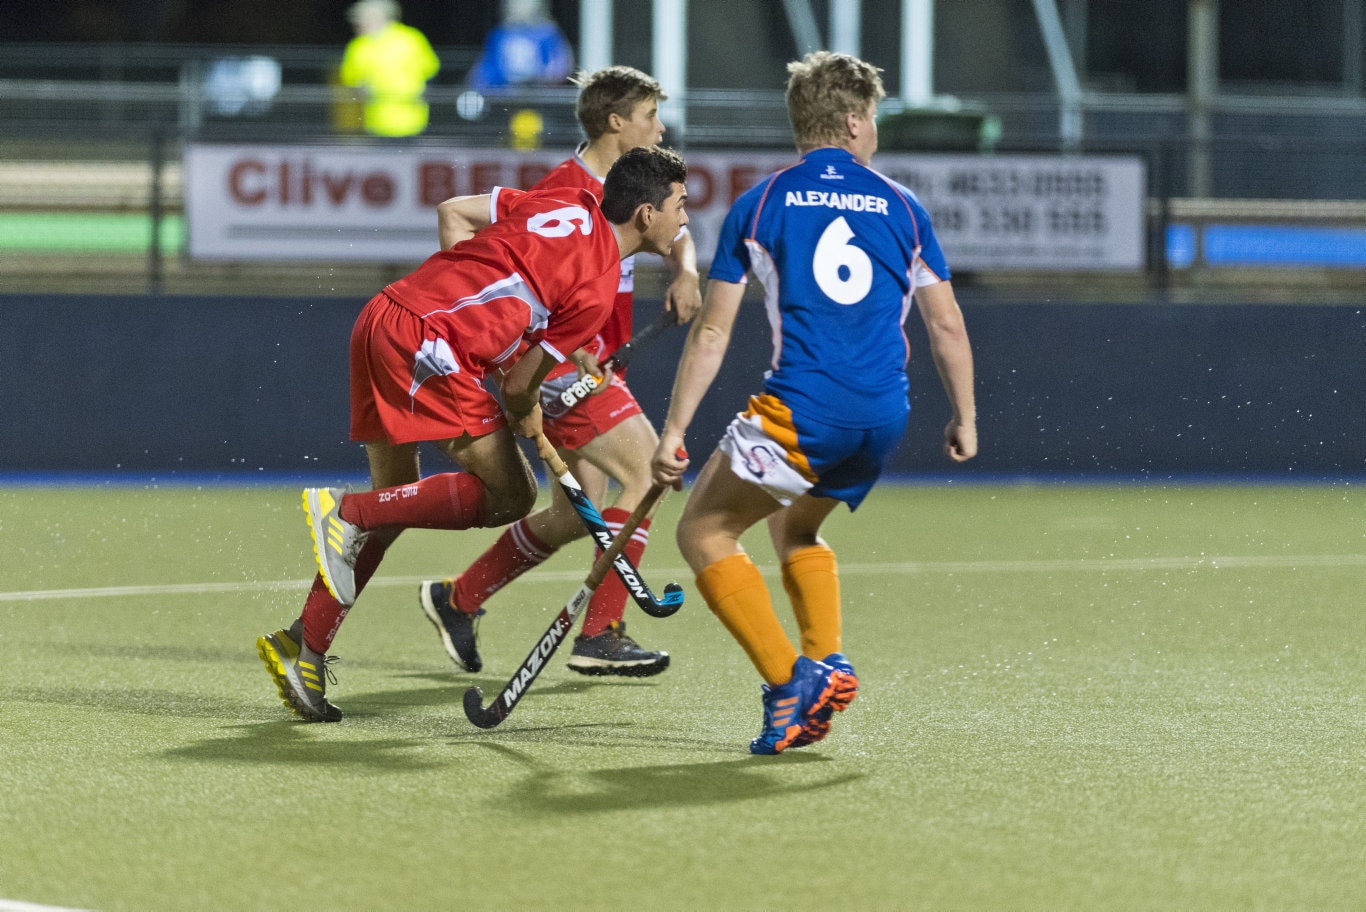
645 215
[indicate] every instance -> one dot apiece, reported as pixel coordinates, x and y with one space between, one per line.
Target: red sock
451 500
322 613
515 552
608 604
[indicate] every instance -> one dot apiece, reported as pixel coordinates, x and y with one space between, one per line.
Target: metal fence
100 128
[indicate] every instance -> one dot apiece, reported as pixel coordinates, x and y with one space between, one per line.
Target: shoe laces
352 553
327 668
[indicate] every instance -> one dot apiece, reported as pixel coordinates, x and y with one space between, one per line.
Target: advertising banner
370 203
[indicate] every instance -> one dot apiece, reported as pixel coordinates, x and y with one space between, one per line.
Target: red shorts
595 415
408 385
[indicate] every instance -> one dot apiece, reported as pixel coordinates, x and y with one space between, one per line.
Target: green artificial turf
1072 698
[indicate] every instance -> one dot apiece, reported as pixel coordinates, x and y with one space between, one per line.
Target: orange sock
735 592
812 581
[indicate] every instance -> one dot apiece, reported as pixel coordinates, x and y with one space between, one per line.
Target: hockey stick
559 629
579 390
630 577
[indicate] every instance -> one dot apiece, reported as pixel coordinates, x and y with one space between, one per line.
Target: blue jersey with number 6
840 249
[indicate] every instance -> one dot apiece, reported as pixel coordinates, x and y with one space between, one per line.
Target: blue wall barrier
1288 246
229 386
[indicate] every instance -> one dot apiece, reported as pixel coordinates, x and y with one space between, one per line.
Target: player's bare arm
683 297
703 353
458 218
953 359
521 391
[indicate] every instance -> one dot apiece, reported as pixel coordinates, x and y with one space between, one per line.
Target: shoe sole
270 655
842 692
598 667
318 534
424 598
844 688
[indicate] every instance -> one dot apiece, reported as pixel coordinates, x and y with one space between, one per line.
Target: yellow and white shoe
300 673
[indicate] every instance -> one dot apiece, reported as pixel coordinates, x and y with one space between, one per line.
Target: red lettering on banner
528 173
484 176
701 187
300 184
435 183
377 189
306 184
237 177
338 188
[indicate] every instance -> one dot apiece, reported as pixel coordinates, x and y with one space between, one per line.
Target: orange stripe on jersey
776 419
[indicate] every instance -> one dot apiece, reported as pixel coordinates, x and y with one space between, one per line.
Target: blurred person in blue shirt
526 49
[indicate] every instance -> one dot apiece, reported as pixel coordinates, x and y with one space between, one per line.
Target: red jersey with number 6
573 173
543 273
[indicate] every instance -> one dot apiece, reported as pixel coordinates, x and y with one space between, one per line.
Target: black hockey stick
559 629
630 577
579 390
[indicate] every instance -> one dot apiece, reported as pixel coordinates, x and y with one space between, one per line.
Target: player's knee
635 484
690 545
502 512
563 527
509 502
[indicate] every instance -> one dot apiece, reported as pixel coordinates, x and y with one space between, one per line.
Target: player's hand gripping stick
584 386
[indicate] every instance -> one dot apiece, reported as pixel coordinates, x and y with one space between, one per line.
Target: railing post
154 205
1161 185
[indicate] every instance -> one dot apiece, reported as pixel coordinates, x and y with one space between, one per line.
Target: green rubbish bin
939 130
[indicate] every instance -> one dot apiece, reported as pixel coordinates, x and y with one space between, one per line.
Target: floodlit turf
1073 698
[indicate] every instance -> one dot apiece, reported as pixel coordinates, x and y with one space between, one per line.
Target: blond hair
822 88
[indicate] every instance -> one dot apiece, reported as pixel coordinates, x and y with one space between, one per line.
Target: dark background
1130 45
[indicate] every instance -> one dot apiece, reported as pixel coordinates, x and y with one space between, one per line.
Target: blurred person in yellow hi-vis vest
390 63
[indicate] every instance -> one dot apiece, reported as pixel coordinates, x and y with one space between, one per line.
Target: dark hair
614 90
643 175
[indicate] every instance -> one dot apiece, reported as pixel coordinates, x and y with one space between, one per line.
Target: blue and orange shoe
845 684
788 708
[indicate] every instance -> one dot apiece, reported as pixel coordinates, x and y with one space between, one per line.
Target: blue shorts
789 456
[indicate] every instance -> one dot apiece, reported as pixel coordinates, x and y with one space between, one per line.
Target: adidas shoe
336 542
300 673
612 652
788 708
818 726
459 629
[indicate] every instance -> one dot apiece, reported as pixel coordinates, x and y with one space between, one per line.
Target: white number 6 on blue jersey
833 251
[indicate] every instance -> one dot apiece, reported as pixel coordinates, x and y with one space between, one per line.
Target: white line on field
1092 565
14 905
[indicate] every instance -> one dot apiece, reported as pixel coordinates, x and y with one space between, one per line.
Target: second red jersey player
606 437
